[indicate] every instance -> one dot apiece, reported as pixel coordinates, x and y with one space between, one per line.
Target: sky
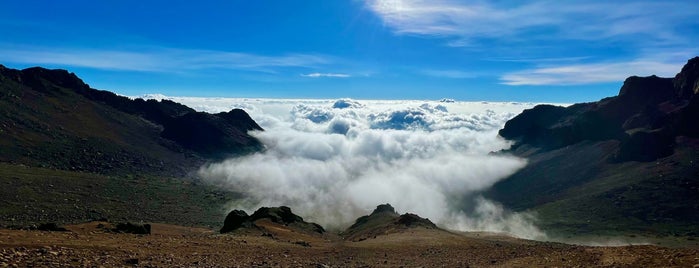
540 51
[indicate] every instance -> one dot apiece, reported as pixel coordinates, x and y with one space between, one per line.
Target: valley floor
87 245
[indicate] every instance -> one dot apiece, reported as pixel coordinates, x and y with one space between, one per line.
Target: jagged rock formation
51 118
384 220
622 163
237 219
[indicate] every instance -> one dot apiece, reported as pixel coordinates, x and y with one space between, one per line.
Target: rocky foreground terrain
275 237
277 245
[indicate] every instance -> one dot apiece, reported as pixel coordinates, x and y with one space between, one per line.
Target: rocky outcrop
237 219
234 220
413 220
644 117
384 220
214 135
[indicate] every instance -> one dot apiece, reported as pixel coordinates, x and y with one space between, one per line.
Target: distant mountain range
51 118
624 163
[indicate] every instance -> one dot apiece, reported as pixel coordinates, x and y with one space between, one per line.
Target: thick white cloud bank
332 161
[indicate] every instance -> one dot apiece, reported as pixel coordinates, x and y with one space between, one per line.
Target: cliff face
626 162
645 117
52 118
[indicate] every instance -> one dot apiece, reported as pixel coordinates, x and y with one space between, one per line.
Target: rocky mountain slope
70 153
51 118
622 164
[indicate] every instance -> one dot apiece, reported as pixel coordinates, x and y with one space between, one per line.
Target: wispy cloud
319 75
454 74
463 23
158 59
578 74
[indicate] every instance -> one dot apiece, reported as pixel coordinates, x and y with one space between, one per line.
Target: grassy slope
67 159
35 195
574 190
61 129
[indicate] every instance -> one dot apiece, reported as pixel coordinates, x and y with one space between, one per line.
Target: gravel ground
86 245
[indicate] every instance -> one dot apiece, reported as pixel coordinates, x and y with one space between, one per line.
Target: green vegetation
640 198
34 195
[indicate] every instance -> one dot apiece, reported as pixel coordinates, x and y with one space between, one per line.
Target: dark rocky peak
384 208
686 82
213 135
540 115
240 119
651 90
281 215
384 220
11 74
58 77
5 71
160 112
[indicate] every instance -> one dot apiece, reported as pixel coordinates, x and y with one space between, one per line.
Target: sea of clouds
332 161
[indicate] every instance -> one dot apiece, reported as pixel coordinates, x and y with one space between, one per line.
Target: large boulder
234 220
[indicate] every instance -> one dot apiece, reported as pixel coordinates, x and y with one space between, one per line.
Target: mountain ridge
621 164
51 118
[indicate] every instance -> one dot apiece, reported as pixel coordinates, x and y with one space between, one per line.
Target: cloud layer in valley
335 160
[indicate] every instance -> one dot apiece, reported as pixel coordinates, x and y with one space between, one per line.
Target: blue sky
548 51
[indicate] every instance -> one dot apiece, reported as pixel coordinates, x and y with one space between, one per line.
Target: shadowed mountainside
623 164
51 118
